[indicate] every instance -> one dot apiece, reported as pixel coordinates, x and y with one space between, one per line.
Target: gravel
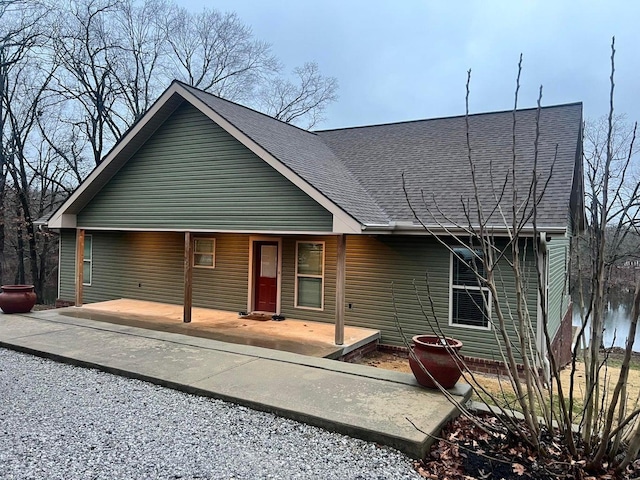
63 422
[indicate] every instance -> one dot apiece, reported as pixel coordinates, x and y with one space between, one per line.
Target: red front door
266 276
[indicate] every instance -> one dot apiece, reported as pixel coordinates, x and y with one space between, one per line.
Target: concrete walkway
365 402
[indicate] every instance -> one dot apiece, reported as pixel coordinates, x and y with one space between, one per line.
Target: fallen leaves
466 452
518 469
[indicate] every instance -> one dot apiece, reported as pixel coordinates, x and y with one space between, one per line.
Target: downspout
543 253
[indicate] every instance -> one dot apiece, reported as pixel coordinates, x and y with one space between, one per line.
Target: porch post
341 268
79 265
188 270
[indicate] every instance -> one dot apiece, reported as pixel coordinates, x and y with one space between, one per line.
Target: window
88 260
470 303
204 251
310 275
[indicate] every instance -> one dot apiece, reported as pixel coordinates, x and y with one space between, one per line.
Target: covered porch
315 339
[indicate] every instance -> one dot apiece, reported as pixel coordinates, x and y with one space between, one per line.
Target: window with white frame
87 262
309 275
470 301
204 252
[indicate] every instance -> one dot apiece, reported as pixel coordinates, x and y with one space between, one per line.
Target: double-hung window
204 252
470 302
309 291
87 261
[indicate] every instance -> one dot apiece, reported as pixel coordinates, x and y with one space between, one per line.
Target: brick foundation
358 353
492 367
60 303
478 365
393 349
561 347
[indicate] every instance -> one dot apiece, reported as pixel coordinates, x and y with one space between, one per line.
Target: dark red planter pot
437 357
17 298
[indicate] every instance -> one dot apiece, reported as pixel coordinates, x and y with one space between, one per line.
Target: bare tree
613 197
606 431
86 47
144 52
302 102
75 77
217 53
23 81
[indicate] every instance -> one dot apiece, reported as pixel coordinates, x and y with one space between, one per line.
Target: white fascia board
211 231
68 221
56 219
61 219
340 226
344 221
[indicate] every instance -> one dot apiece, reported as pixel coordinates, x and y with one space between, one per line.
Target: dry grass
499 386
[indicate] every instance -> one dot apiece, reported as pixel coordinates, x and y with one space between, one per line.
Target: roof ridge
453 117
253 110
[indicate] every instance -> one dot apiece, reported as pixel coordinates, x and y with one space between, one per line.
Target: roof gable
169 101
192 175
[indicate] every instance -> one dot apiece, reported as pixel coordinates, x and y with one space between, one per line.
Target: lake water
616 323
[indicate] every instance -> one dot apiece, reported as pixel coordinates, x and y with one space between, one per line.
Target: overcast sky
407 59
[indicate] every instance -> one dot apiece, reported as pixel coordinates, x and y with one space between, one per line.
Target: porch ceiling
298 336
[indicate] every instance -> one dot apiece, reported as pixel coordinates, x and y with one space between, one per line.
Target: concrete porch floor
313 339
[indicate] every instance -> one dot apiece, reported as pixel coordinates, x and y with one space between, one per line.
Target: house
319 226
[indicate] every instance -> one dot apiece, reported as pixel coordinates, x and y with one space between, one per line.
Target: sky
398 60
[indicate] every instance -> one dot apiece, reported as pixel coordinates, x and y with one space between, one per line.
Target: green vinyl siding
386 270
224 287
193 175
67 266
149 266
558 299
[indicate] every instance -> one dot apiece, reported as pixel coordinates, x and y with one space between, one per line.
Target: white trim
539 327
365 231
295 301
60 262
208 230
340 226
467 288
251 280
84 259
544 257
194 252
67 221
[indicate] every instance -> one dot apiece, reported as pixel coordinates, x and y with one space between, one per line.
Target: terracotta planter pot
437 357
17 298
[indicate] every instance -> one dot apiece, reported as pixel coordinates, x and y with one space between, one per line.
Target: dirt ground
399 362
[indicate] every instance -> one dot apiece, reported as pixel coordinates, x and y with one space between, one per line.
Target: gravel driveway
64 422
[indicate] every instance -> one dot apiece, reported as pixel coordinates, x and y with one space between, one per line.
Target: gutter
401 227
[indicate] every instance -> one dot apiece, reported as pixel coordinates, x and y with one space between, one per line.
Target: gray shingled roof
433 156
360 169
